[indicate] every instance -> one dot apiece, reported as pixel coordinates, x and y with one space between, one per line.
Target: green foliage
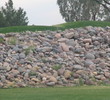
84 24
2 20
55 27
29 49
81 10
13 17
1 40
32 73
12 41
57 67
81 82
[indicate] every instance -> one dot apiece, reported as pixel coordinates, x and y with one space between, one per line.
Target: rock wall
67 58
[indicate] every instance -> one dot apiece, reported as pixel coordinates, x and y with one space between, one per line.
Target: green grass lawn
54 27
70 93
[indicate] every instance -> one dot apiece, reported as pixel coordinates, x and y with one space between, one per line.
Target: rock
1 84
58 36
87 63
75 75
64 47
71 42
89 56
107 74
21 84
67 74
102 64
3 78
77 67
71 57
53 79
61 71
78 50
99 77
69 35
80 72
46 49
50 84
10 84
87 41
89 82
35 80
62 40
22 56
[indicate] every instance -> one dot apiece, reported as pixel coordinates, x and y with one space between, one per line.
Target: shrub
1 40
57 67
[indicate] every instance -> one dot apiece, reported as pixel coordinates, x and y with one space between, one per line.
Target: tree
12 16
78 10
104 3
2 20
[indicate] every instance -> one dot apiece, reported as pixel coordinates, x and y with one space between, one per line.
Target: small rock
58 35
107 74
87 41
64 47
87 63
89 56
67 74
69 35
53 79
22 56
77 67
50 84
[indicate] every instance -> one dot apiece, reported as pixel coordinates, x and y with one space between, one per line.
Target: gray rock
77 67
89 56
22 55
50 84
87 63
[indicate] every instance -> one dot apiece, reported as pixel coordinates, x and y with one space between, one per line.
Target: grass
57 67
54 27
75 93
84 24
26 28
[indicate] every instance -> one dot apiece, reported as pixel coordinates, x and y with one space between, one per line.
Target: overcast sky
39 12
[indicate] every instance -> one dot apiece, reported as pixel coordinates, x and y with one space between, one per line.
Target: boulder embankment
72 57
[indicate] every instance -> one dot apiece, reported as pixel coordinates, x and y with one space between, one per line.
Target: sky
39 12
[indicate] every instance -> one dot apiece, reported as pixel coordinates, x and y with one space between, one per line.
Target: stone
89 82
1 84
50 84
107 75
62 40
77 67
48 58
87 63
64 47
22 55
69 35
35 79
10 84
53 79
80 72
58 36
99 77
67 74
3 78
89 56
61 71
71 42
87 41
78 50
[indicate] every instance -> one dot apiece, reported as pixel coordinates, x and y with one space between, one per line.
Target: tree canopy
78 10
11 16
